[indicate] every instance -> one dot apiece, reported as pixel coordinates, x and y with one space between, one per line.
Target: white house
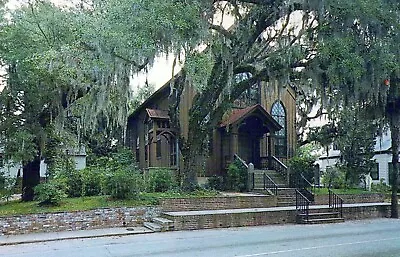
383 158
15 169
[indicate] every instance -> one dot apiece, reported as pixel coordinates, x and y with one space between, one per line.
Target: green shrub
334 178
237 177
161 180
302 163
216 183
49 194
123 184
71 180
7 186
91 181
381 187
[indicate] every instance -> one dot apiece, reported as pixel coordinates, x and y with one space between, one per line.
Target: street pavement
366 238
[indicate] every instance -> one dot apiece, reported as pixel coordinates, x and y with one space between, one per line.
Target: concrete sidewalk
56 236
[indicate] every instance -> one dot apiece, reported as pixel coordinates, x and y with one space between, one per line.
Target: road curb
85 234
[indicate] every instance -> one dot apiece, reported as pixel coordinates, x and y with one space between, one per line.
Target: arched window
251 95
279 114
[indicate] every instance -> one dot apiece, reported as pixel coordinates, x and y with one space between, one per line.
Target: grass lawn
348 191
92 202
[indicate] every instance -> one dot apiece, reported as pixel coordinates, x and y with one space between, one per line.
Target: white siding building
383 158
12 169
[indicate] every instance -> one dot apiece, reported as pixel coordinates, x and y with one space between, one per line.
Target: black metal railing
237 157
280 167
250 176
301 183
307 188
269 184
335 203
302 205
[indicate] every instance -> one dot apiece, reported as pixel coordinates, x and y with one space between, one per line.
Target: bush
334 178
237 177
161 180
302 163
49 194
91 181
216 183
381 187
7 187
123 184
71 181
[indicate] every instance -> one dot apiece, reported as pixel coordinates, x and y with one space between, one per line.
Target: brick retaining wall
352 198
218 203
68 221
256 218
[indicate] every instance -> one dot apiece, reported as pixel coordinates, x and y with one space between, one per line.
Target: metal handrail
309 184
270 184
241 160
335 202
279 167
302 204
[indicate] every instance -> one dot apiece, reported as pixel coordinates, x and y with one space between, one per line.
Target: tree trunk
189 175
393 113
395 133
30 179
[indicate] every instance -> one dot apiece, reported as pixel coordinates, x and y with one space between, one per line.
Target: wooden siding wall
220 145
272 92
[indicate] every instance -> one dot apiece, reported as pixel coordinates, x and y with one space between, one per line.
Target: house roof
157 114
238 115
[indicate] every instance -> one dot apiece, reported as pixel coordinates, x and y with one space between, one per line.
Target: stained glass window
279 114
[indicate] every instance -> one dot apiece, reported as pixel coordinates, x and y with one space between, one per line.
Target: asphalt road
380 238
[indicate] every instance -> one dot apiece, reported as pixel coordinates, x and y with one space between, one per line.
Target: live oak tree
357 63
262 42
354 134
68 69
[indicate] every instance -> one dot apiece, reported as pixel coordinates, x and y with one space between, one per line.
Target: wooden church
259 129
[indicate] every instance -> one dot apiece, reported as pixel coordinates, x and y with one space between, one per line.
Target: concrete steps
318 217
275 176
159 224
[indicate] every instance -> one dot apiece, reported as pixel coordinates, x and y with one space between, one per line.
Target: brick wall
226 220
351 198
68 221
217 203
256 218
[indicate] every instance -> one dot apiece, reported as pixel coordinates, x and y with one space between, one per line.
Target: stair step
163 221
322 221
153 226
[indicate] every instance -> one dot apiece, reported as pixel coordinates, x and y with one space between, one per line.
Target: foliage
7 186
70 178
348 191
69 69
380 187
353 133
49 193
160 180
91 181
303 163
216 183
334 178
123 184
358 52
236 177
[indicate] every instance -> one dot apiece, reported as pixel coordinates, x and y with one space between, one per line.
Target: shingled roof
157 114
238 115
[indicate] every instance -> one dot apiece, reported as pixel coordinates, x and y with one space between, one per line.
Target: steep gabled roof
238 115
157 114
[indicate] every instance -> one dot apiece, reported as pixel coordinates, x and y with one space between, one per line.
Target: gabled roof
157 114
238 115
